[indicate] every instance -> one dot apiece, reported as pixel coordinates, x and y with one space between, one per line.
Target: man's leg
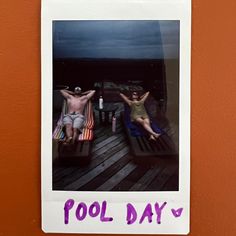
75 135
69 133
77 127
67 122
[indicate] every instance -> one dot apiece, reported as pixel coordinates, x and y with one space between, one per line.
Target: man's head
77 90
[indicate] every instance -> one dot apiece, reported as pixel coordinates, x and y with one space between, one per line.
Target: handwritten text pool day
150 213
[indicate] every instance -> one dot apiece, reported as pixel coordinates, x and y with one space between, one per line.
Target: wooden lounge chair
138 139
83 147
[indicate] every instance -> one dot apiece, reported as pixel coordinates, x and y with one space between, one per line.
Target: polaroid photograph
115 153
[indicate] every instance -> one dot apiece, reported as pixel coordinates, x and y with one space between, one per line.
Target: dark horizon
116 39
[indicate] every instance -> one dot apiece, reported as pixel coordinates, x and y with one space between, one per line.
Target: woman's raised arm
125 98
144 96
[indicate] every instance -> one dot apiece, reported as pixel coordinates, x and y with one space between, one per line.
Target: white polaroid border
53 201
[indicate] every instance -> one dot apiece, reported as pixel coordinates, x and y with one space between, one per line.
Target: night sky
116 39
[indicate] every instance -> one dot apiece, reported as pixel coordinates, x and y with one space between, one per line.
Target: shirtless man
74 119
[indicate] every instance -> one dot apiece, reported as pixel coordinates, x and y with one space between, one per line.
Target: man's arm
144 96
125 98
86 92
90 93
66 93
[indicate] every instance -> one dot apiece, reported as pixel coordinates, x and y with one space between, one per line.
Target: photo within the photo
115 105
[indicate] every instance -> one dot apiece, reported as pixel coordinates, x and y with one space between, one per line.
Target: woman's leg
146 125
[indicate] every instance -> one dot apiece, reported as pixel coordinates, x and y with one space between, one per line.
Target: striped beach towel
87 132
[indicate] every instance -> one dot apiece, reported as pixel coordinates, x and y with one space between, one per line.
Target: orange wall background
213 145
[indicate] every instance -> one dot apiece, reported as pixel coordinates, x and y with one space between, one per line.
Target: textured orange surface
213 161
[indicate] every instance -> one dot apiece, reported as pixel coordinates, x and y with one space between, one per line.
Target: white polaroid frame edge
53 201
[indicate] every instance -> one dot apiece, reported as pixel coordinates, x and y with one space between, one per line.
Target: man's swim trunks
75 119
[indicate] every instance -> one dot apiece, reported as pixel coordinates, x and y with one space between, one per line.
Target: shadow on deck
112 167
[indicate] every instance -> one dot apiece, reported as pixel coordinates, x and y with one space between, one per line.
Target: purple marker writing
159 211
103 218
82 211
147 213
68 205
132 213
94 209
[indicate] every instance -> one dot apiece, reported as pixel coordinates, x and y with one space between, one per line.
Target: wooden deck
112 167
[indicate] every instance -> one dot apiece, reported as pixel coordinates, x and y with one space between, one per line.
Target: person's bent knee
68 126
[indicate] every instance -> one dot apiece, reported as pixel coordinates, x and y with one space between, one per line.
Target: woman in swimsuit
138 112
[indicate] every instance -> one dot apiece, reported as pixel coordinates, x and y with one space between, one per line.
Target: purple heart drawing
178 212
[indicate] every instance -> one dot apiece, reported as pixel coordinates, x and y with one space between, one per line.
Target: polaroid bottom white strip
106 218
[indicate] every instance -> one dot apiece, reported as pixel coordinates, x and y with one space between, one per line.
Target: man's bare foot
68 141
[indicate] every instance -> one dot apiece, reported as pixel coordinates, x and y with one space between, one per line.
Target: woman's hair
134 92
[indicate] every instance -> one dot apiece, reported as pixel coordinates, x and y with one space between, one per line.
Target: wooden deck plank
160 180
82 149
107 173
69 175
104 129
96 171
172 183
116 178
146 179
102 136
160 146
61 172
105 150
105 142
130 179
169 143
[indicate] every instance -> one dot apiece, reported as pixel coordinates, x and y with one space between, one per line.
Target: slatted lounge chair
140 145
84 144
